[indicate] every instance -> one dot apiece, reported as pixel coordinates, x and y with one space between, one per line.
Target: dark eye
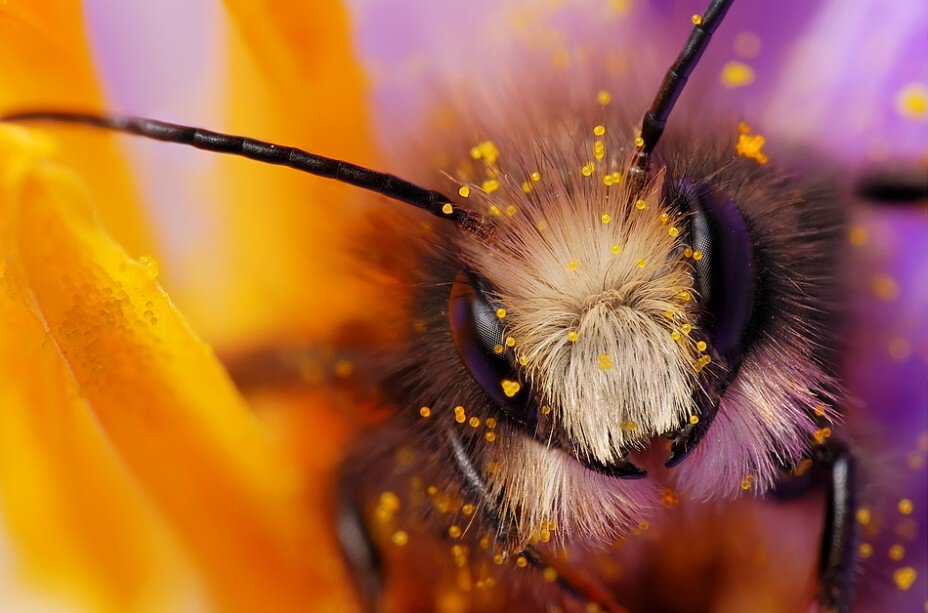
478 338
725 270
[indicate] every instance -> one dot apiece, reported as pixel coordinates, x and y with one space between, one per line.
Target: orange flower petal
278 263
47 64
164 403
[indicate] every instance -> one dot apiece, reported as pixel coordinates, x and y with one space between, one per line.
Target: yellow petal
166 406
278 263
47 64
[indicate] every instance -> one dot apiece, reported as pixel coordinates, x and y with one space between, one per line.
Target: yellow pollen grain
458 410
510 342
605 362
664 217
447 209
572 265
673 231
749 145
464 191
474 422
685 296
501 312
521 562
896 552
616 249
737 74
606 218
523 360
642 263
905 506
510 388
599 130
526 187
494 210
607 180
545 410
491 422
819 411
400 538
460 418
697 20
688 252
490 185
863 516
511 210
675 335
572 336
628 426
587 169
694 419
536 176
865 550
858 236
549 574
641 205
747 482
467 508
603 97
686 328
498 349
454 532
697 255
701 345
639 142
425 411
490 436
904 577
912 101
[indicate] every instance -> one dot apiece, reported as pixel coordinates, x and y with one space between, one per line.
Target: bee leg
357 545
901 186
834 467
839 541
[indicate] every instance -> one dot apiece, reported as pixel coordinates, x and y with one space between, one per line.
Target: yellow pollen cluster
454 532
599 150
747 482
490 185
613 179
545 410
642 263
639 142
664 217
628 426
425 411
673 231
605 362
501 312
510 341
510 388
498 349
536 176
599 130
749 145
526 187
821 435
588 169
641 205
459 415
701 345
606 218
616 249
697 20
464 191
572 265
694 419
603 97
387 506
697 255
572 336
400 538
904 577
487 151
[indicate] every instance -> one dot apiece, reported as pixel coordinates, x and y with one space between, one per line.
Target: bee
595 295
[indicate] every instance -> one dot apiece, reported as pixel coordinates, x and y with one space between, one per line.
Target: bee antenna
379 182
652 126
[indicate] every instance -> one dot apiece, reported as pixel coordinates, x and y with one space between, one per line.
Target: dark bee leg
839 542
834 466
894 187
357 546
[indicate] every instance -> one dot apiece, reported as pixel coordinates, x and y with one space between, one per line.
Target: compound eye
478 338
725 273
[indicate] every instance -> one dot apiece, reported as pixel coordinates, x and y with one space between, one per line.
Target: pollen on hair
490 185
425 411
464 191
510 341
616 249
639 142
641 204
588 169
447 208
605 218
749 145
603 97
572 336
696 19
599 130
605 362
487 151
